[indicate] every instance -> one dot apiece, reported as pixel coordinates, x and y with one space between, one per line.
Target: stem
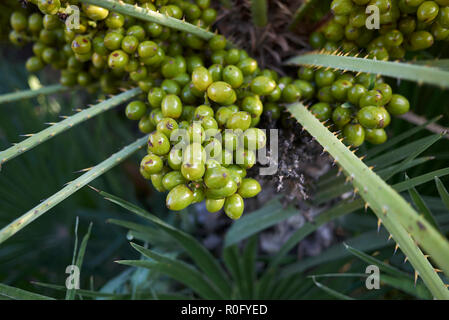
152 16
28 94
398 70
64 125
259 12
394 212
70 189
419 120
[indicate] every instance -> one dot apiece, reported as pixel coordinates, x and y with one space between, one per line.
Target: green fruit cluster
107 47
405 25
202 100
360 106
202 128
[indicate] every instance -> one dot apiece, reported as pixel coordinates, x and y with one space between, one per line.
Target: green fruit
325 94
167 126
34 22
232 75
145 125
249 188
253 105
194 152
354 134
254 139
203 111
355 93
342 7
172 179
198 191
179 198
18 21
115 20
307 74
324 78
136 31
221 93
152 164
376 136
156 179
239 120
158 143
171 106
193 171
49 6
371 98
372 117
113 40
427 11
34 64
94 12
234 206
290 93
317 40
118 59
201 78
216 178
81 44
248 66
218 42
341 116
340 88
398 105
305 87
135 110
213 205
421 40
322 111
245 158
262 85
155 96
229 189
232 56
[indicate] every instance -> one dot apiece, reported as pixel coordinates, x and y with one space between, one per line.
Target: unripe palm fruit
234 206
249 188
221 93
354 134
179 198
262 85
158 143
213 205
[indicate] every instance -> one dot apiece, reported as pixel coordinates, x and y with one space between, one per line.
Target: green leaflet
72 187
202 257
148 15
19 294
394 212
28 94
399 70
52 131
